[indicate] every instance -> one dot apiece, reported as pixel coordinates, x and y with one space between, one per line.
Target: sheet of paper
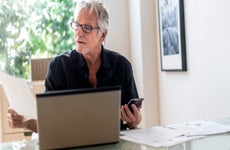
199 128
19 96
155 136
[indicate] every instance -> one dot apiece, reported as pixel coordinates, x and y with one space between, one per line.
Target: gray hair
99 8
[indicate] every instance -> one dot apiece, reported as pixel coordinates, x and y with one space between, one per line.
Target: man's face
88 42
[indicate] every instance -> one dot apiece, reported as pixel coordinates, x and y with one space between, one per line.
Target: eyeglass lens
85 28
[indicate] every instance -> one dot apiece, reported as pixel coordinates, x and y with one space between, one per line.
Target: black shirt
69 71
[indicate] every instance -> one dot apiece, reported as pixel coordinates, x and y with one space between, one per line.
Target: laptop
76 118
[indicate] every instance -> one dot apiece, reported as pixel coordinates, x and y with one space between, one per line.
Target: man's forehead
85 15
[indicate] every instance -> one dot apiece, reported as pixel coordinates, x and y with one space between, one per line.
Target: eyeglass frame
83 27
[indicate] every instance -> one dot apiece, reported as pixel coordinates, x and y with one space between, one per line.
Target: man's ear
103 35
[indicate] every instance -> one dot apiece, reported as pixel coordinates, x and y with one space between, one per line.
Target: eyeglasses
85 28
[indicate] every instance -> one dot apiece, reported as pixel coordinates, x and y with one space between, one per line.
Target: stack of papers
156 136
170 135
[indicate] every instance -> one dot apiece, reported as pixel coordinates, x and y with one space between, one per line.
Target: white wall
144 57
203 91
118 37
132 33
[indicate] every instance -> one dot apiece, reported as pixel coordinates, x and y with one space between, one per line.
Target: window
33 29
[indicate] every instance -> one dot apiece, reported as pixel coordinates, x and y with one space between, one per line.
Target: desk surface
211 142
215 142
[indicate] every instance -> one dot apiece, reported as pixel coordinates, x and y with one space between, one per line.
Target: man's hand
132 119
17 121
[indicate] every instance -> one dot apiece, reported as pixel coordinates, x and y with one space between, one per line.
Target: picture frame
172 35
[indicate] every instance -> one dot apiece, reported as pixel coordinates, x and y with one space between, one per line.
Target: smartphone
136 101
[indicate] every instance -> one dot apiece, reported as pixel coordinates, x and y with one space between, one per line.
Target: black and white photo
172 35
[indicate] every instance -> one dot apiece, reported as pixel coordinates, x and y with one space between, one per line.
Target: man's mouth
80 42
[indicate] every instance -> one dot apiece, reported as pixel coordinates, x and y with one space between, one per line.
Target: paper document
174 134
201 128
155 136
19 96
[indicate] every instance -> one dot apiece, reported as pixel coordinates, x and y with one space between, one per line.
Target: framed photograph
172 35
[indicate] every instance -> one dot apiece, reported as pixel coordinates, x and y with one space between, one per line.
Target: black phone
136 101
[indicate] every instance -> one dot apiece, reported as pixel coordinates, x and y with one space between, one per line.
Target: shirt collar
105 58
79 60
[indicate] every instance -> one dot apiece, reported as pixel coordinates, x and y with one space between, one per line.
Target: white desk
212 142
217 142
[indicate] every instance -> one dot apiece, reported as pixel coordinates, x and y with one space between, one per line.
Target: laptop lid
75 118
